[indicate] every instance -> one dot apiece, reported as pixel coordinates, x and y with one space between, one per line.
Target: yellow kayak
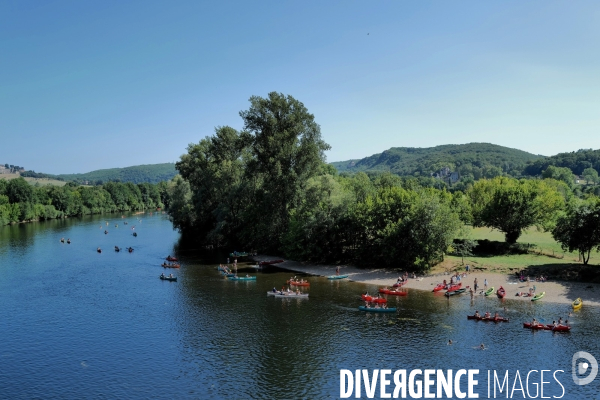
577 304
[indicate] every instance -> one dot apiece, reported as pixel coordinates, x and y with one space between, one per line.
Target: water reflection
82 324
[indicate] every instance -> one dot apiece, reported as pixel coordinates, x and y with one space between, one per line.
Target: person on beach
337 270
475 284
472 293
485 283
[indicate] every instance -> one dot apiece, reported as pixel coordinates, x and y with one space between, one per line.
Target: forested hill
151 173
470 158
576 161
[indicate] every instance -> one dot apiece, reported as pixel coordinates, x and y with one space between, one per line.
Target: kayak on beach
337 276
501 292
454 292
489 291
538 296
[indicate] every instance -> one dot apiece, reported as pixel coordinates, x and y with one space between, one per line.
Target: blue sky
87 85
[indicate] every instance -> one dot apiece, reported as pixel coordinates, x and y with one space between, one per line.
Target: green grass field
33 181
545 254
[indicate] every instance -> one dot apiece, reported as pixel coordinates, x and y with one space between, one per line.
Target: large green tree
286 151
579 229
511 206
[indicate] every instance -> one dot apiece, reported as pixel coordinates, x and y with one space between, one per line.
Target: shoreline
562 292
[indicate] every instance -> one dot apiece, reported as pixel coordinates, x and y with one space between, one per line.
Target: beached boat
372 299
337 276
243 278
238 254
577 304
490 319
454 292
489 291
501 292
438 287
538 296
288 294
377 310
452 288
168 278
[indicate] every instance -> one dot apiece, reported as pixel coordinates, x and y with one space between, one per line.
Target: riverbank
562 292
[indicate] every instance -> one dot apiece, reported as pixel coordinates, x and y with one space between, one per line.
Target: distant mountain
151 173
476 159
577 161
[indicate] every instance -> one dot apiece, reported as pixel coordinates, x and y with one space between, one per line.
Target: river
78 324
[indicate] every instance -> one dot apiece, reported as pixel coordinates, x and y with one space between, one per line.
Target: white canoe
288 294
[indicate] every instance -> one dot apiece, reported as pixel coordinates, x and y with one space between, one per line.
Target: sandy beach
563 292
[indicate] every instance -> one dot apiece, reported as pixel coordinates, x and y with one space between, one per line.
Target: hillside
576 161
476 159
150 173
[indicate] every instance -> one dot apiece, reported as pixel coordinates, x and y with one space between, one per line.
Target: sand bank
563 292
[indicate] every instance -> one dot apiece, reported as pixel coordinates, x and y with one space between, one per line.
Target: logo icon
583 366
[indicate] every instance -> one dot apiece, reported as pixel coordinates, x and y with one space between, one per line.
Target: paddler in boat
496 316
170 275
560 320
274 290
477 314
534 322
487 314
162 275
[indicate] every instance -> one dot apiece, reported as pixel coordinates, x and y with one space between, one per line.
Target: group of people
487 315
530 293
283 291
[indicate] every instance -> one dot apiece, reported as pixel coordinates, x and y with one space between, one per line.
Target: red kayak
396 293
439 286
560 328
454 287
400 284
372 299
540 327
492 319
298 283
171 258
270 262
501 292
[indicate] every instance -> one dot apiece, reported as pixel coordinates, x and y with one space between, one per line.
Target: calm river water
78 324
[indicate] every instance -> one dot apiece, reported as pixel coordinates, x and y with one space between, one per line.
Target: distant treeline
268 188
474 161
577 162
20 201
152 173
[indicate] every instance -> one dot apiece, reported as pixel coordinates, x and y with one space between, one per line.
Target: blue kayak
337 276
243 278
380 310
